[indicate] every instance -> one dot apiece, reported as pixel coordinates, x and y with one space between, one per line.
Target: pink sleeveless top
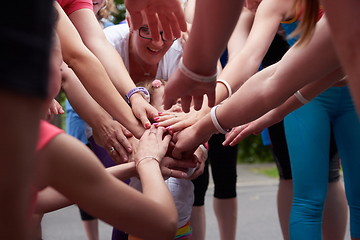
47 132
70 6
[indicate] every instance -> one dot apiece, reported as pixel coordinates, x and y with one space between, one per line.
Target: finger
166 118
237 139
179 15
168 101
178 126
175 29
182 163
198 101
176 173
145 122
136 20
185 103
126 132
165 23
153 23
120 155
211 99
124 143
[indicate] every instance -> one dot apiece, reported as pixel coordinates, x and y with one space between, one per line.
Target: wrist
216 122
204 78
136 92
147 159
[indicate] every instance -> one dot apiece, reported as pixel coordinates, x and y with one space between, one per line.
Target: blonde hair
148 84
309 17
107 10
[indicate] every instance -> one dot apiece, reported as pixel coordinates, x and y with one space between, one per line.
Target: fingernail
168 128
147 125
157 118
156 124
160 113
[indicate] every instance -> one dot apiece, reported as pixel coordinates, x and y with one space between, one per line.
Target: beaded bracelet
142 159
227 85
301 98
194 76
216 122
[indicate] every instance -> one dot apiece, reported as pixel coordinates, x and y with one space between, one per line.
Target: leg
347 131
198 220
285 191
226 215
284 201
91 229
198 223
335 212
223 168
308 137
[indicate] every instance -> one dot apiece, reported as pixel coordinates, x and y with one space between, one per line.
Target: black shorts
25 42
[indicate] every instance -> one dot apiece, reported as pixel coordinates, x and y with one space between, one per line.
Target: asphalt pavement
257 213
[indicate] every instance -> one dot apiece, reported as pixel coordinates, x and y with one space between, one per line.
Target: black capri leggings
223 168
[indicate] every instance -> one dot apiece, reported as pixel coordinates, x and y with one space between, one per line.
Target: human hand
255 127
174 123
237 134
188 139
201 154
142 110
55 108
153 144
177 168
168 13
113 137
181 86
185 36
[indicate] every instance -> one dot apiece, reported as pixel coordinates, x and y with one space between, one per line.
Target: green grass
270 171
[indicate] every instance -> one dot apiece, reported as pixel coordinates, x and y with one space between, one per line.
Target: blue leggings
308 137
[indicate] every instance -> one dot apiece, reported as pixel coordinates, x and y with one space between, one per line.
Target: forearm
49 200
342 14
205 27
123 171
272 86
153 185
113 64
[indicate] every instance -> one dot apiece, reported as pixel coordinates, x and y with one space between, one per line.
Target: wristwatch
143 91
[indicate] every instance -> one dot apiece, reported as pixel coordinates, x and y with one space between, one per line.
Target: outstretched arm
202 52
149 215
340 14
107 131
92 74
268 88
277 114
94 38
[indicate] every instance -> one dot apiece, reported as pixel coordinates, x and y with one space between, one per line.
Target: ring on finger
111 149
171 172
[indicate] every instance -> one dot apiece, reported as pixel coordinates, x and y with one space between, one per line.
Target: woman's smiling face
144 47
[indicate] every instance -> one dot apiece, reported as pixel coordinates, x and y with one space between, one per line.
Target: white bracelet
216 122
194 76
227 85
301 98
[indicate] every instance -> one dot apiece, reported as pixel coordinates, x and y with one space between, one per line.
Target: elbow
169 231
168 227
